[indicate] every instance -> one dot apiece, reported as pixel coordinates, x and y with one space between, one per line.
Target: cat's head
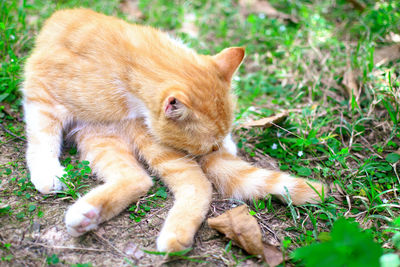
197 106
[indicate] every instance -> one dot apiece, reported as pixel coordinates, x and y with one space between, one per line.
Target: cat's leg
191 189
238 179
125 180
44 124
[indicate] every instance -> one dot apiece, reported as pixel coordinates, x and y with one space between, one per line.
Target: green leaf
396 240
31 208
284 167
82 265
73 151
304 171
392 157
161 192
3 96
354 103
7 258
177 253
69 167
324 236
261 204
20 215
349 246
87 169
52 260
6 209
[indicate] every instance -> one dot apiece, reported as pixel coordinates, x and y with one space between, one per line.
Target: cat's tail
238 179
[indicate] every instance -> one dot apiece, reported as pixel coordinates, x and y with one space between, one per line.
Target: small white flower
278 134
300 153
12 60
12 37
274 146
252 108
261 16
385 200
236 78
282 28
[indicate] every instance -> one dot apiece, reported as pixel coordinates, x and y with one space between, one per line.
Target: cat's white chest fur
229 145
136 107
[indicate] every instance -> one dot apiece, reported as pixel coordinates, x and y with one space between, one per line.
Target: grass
349 141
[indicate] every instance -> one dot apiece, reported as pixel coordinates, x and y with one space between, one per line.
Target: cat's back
64 23
84 35
80 29
83 59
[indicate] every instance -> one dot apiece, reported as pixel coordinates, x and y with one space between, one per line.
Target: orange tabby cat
132 92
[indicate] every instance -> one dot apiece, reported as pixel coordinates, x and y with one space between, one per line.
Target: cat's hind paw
81 218
172 242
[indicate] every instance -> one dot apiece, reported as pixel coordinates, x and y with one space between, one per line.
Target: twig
11 133
356 215
368 145
397 175
65 247
110 244
349 205
140 200
357 5
304 221
155 213
283 129
263 225
315 158
8 141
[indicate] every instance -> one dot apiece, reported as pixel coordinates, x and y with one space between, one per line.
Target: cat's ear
228 61
174 109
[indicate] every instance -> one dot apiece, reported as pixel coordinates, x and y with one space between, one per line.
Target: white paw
45 178
163 241
81 217
169 241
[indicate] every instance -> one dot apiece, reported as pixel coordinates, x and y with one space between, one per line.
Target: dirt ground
118 242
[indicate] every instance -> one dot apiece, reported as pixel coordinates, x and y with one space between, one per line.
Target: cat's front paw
169 241
45 179
81 218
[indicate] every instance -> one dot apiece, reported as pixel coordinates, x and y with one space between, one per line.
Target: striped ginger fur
130 93
238 179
